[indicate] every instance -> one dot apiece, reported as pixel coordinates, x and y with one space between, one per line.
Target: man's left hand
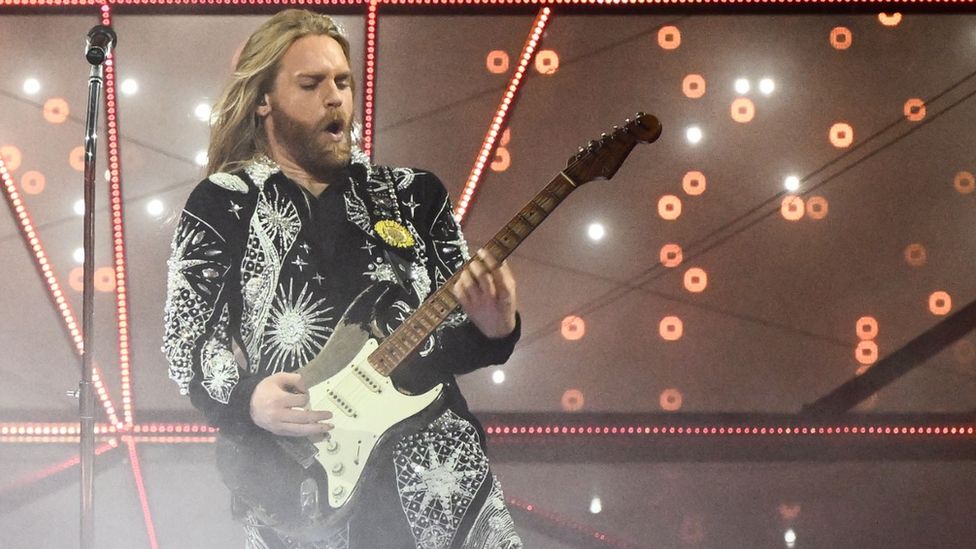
486 291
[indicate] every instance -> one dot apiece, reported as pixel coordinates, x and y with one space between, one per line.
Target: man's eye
342 84
308 86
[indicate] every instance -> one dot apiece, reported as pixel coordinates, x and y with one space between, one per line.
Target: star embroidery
368 247
318 278
234 209
305 247
441 480
412 205
299 263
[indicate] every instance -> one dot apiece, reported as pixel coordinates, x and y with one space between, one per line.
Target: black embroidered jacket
260 264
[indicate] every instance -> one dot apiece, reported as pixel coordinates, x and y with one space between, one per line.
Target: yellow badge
394 234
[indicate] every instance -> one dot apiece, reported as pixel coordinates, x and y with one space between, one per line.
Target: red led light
501 115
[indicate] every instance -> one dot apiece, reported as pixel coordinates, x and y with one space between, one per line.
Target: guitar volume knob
338 491
337 468
331 446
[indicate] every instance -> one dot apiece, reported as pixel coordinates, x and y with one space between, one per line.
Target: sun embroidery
298 329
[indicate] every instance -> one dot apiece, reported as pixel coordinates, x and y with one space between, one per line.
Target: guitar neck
418 327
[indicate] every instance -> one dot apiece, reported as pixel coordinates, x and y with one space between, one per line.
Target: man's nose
333 98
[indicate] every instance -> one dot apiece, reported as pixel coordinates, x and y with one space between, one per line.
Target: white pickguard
364 405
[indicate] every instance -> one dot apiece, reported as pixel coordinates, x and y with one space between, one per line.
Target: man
272 247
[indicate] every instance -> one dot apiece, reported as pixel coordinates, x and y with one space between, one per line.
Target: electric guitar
351 374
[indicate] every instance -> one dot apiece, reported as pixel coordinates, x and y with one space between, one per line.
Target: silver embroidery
217 362
493 528
297 329
439 471
228 181
190 295
260 170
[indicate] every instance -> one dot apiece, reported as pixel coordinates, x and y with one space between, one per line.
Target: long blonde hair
237 134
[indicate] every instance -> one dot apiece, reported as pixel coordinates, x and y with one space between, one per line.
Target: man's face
308 114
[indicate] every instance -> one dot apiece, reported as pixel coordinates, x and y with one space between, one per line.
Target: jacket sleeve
199 312
458 346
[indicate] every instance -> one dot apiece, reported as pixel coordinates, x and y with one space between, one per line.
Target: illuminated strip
141 487
33 241
118 228
153 428
662 430
569 524
501 116
56 468
46 429
174 440
369 86
480 3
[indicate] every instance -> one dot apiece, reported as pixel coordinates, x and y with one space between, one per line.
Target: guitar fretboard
408 337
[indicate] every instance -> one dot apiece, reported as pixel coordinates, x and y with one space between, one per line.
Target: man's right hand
279 404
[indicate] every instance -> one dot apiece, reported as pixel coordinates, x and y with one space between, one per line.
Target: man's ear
263 109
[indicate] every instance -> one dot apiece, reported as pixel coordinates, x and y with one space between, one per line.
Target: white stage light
498 376
155 207
202 112
31 86
694 135
201 158
596 506
742 86
596 231
80 206
792 183
129 86
767 86
79 255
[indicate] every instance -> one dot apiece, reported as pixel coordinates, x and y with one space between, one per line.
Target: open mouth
335 128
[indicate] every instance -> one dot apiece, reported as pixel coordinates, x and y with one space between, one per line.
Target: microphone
101 39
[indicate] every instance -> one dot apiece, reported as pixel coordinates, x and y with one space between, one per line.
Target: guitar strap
385 207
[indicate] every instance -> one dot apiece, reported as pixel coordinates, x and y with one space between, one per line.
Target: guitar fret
525 220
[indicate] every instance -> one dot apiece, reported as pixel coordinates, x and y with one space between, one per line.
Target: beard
312 147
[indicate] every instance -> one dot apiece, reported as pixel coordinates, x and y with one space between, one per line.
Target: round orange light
11 157
940 303
693 86
573 328
56 110
866 352
671 400
694 183
502 160
76 279
915 255
105 279
33 182
841 38
77 158
671 328
669 37
889 19
669 207
914 109
573 400
497 62
743 110
817 207
841 135
506 137
964 182
696 280
792 208
547 62
866 327
671 255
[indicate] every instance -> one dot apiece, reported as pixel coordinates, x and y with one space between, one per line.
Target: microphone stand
95 54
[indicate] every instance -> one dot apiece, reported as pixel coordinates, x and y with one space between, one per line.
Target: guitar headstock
603 157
